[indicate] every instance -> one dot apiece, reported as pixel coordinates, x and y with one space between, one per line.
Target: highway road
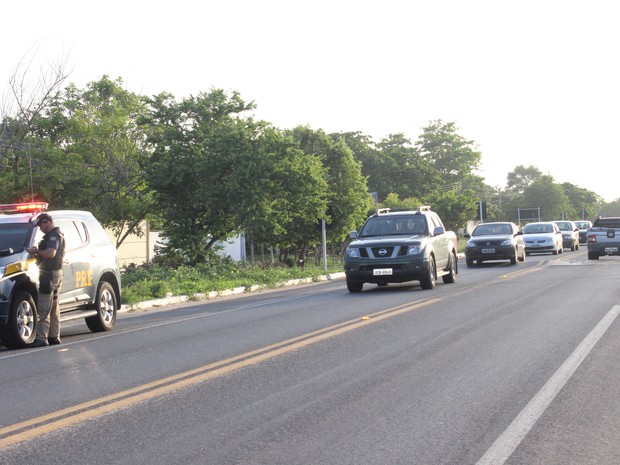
512 364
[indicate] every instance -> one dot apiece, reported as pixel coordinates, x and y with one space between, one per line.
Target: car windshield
492 229
537 228
395 225
582 224
13 235
564 226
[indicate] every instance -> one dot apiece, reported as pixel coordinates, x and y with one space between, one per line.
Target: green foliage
549 196
394 202
452 156
152 282
454 208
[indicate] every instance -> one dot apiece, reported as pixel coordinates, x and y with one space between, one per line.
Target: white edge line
505 445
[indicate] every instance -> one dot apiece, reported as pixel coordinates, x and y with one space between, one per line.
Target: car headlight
414 250
507 242
354 252
470 245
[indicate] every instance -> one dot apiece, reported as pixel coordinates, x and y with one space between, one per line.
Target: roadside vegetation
149 282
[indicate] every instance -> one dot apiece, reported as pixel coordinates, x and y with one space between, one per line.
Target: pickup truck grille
384 252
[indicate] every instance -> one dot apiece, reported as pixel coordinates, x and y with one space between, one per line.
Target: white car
543 237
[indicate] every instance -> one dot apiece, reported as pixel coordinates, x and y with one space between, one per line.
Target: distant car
583 230
495 241
542 237
570 234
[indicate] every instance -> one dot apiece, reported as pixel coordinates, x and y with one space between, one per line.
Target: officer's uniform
50 280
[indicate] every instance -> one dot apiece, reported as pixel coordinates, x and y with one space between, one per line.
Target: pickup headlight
354 252
414 250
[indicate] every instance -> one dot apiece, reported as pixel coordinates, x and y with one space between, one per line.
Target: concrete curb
170 299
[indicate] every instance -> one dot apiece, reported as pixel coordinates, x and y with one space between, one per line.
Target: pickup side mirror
439 230
353 234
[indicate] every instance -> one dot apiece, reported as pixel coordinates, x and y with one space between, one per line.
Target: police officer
49 254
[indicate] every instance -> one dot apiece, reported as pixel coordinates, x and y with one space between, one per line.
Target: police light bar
30 207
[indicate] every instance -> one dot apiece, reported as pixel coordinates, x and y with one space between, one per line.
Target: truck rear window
607 223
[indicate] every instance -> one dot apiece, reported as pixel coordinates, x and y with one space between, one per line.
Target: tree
521 177
25 100
348 200
453 157
216 173
96 154
454 207
548 195
406 171
584 204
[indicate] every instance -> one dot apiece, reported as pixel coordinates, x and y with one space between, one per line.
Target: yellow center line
53 421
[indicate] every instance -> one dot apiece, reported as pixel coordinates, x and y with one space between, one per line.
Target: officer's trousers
47 305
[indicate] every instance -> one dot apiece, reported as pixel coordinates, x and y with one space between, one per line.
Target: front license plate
382 271
611 249
488 250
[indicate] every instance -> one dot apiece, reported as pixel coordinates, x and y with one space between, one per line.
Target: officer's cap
42 218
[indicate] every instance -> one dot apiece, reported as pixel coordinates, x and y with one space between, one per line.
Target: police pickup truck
91 284
604 237
400 246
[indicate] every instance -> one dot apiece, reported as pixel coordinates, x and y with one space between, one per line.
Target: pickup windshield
409 225
13 235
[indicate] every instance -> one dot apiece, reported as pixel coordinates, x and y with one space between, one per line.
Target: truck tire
355 286
106 309
453 270
428 282
20 329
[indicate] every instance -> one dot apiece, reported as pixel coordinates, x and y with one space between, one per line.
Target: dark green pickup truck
401 246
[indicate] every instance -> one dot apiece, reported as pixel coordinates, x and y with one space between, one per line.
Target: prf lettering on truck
84 278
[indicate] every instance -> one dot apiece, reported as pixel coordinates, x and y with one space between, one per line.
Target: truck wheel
106 309
450 278
355 286
20 329
428 282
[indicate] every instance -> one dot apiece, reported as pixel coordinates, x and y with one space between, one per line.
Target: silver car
542 237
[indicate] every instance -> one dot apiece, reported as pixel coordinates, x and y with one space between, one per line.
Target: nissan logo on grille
382 252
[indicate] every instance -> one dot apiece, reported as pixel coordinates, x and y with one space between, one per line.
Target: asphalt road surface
510 365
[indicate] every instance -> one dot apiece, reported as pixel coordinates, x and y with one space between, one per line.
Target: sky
532 83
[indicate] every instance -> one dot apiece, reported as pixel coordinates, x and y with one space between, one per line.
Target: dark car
91 284
495 241
570 234
583 230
